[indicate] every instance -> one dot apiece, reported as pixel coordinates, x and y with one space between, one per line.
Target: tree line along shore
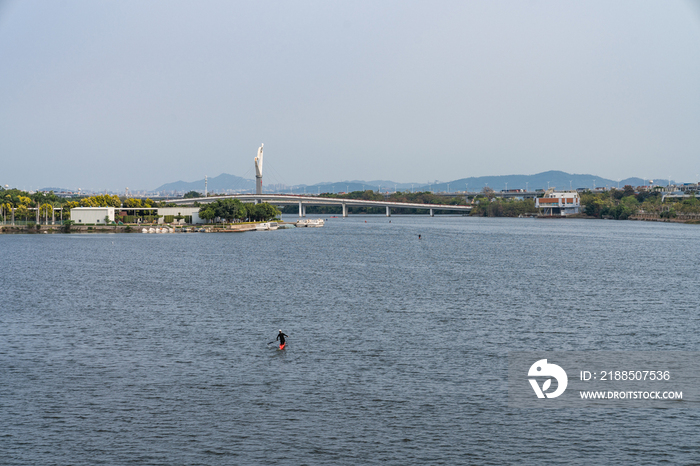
28 209
620 204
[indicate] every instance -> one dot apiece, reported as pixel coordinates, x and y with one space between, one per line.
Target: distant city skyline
105 95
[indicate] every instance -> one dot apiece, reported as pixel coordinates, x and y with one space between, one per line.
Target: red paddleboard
282 346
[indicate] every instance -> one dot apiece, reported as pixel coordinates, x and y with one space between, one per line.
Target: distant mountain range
544 180
218 184
226 183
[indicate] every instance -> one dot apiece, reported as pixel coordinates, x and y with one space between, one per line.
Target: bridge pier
345 210
388 211
300 208
432 214
257 201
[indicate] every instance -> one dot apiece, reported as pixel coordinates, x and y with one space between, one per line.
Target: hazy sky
109 94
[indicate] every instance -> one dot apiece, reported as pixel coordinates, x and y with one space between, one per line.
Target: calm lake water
152 349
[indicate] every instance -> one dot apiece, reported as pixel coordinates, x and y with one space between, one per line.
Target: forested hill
219 183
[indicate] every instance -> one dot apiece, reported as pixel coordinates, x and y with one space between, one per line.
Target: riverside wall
49 229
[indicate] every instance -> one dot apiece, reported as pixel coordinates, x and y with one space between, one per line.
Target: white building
96 215
559 203
92 215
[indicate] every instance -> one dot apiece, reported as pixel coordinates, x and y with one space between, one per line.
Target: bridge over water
304 201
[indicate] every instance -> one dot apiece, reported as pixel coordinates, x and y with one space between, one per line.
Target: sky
114 94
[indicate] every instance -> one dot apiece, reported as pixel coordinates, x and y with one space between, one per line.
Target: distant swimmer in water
419 237
280 337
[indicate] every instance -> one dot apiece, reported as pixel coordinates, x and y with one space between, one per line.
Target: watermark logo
543 369
603 379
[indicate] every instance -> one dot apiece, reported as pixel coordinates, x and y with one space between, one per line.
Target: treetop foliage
231 210
424 197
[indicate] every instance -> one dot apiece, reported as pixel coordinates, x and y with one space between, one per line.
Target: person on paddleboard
280 337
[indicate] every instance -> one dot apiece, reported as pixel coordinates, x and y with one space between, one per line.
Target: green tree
690 206
631 202
596 206
133 203
618 212
46 211
22 211
236 210
227 209
262 212
6 209
44 198
207 213
192 194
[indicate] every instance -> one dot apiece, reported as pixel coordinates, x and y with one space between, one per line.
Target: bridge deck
320 201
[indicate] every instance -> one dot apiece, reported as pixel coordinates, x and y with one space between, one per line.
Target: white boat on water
310 222
266 226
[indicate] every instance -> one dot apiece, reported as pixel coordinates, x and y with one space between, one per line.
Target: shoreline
59 229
